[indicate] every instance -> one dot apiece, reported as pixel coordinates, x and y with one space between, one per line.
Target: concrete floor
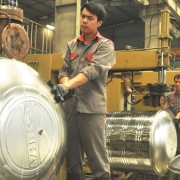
121 175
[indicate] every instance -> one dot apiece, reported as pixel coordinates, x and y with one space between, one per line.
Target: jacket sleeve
102 61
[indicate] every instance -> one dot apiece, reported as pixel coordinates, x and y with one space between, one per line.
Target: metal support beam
174 8
67 17
142 2
119 3
174 31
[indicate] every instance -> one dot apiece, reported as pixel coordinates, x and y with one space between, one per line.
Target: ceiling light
51 27
43 17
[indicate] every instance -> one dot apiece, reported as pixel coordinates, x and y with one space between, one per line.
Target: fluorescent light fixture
51 27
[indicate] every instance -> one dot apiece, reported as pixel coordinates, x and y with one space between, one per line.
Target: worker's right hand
163 103
178 115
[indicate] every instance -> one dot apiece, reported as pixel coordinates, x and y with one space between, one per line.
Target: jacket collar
97 36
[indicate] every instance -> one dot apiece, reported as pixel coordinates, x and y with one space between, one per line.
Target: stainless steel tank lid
163 140
32 129
28 134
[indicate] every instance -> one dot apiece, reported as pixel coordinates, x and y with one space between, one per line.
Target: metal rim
174 165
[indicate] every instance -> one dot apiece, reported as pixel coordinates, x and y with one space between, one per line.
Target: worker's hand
177 120
63 93
178 116
163 103
59 91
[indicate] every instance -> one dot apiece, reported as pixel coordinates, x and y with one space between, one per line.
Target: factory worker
86 63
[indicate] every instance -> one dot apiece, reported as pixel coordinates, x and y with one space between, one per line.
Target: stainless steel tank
32 127
141 141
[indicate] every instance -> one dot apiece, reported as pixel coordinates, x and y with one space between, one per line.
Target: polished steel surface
141 141
174 165
32 127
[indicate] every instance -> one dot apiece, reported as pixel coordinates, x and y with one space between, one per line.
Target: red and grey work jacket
173 100
94 61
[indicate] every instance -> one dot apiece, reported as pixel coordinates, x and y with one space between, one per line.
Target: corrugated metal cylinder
141 141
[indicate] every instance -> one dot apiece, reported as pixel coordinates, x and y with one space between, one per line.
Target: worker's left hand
178 115
163 103
57 90
61 94
176 121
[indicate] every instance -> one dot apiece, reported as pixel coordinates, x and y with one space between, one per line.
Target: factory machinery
141 138
33 131
144 74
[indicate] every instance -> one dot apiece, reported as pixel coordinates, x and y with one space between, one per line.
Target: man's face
177 84
89 22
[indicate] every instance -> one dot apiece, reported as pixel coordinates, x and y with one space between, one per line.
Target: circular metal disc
32 126
163 141
15 41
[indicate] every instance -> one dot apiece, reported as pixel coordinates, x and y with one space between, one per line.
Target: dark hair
177 76
96 9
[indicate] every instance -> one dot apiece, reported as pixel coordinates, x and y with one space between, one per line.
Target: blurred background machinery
13 38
